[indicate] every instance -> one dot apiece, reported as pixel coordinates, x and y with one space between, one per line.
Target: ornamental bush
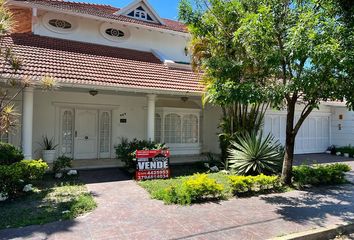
15 176
346 149
320 174
193 189
253 184
9 154
32 169
62 163
126 150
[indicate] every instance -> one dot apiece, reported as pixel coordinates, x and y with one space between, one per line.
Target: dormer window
141 14
58 23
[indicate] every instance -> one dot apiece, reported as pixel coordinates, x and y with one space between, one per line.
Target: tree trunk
289 144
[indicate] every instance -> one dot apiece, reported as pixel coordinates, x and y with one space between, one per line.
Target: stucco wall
46 105
133 108
87 30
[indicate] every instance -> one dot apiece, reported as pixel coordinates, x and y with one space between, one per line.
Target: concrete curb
320 233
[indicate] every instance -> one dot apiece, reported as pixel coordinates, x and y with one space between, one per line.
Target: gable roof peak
140 3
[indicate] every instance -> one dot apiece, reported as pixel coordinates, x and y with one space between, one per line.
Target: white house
125 73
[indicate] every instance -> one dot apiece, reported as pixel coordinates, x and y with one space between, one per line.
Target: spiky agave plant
252 154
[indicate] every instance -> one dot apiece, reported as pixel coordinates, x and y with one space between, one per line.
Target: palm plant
251 154
48 144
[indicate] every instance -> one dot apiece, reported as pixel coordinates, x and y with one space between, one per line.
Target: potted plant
48 151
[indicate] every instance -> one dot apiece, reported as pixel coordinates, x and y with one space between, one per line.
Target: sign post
152 164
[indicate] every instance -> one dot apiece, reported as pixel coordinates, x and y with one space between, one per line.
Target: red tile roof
95 65
104 11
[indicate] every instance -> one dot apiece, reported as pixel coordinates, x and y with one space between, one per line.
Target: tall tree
214 52
288 49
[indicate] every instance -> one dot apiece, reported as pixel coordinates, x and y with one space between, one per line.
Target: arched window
115 32
172 128
67 132
105 132
158 122
59 23
140 14
190 129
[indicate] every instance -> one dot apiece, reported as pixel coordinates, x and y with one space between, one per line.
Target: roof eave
122 88
53 9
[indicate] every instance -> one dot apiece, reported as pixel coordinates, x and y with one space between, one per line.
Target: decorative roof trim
135 4
53 9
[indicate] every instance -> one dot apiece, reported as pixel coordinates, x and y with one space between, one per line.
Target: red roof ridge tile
81 3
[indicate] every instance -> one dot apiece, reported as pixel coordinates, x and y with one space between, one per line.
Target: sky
165 8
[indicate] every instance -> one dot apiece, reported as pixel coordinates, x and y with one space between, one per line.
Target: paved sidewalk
125 211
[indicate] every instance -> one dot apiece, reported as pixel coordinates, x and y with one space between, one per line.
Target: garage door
313 137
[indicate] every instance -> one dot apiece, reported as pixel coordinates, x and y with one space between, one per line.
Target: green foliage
320 174
15 176
9 154
346 149
251 184
126 150
32 169
11 182
52 200
239 118
62 163
48 144
80 205
252 155
193 189
280 52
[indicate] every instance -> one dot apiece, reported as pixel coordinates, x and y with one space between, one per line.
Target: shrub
9 154
32 169
347 149
193 189
11 182
250 184
126 150
62 163
15 176
252 155
320 174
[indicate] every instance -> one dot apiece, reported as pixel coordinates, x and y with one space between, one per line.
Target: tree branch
304 114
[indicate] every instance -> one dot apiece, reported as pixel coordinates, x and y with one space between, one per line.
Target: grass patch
156 188
52 200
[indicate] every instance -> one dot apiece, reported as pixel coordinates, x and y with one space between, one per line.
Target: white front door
86 134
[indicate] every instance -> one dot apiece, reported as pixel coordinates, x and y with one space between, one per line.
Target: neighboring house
126 73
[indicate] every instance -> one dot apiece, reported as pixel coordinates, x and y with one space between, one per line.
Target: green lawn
52 200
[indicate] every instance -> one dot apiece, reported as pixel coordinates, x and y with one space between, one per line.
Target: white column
151 99
27 122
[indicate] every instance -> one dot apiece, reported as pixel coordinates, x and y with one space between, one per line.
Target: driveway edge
320 233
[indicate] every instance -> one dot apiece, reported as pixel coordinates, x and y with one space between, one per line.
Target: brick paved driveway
126 212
